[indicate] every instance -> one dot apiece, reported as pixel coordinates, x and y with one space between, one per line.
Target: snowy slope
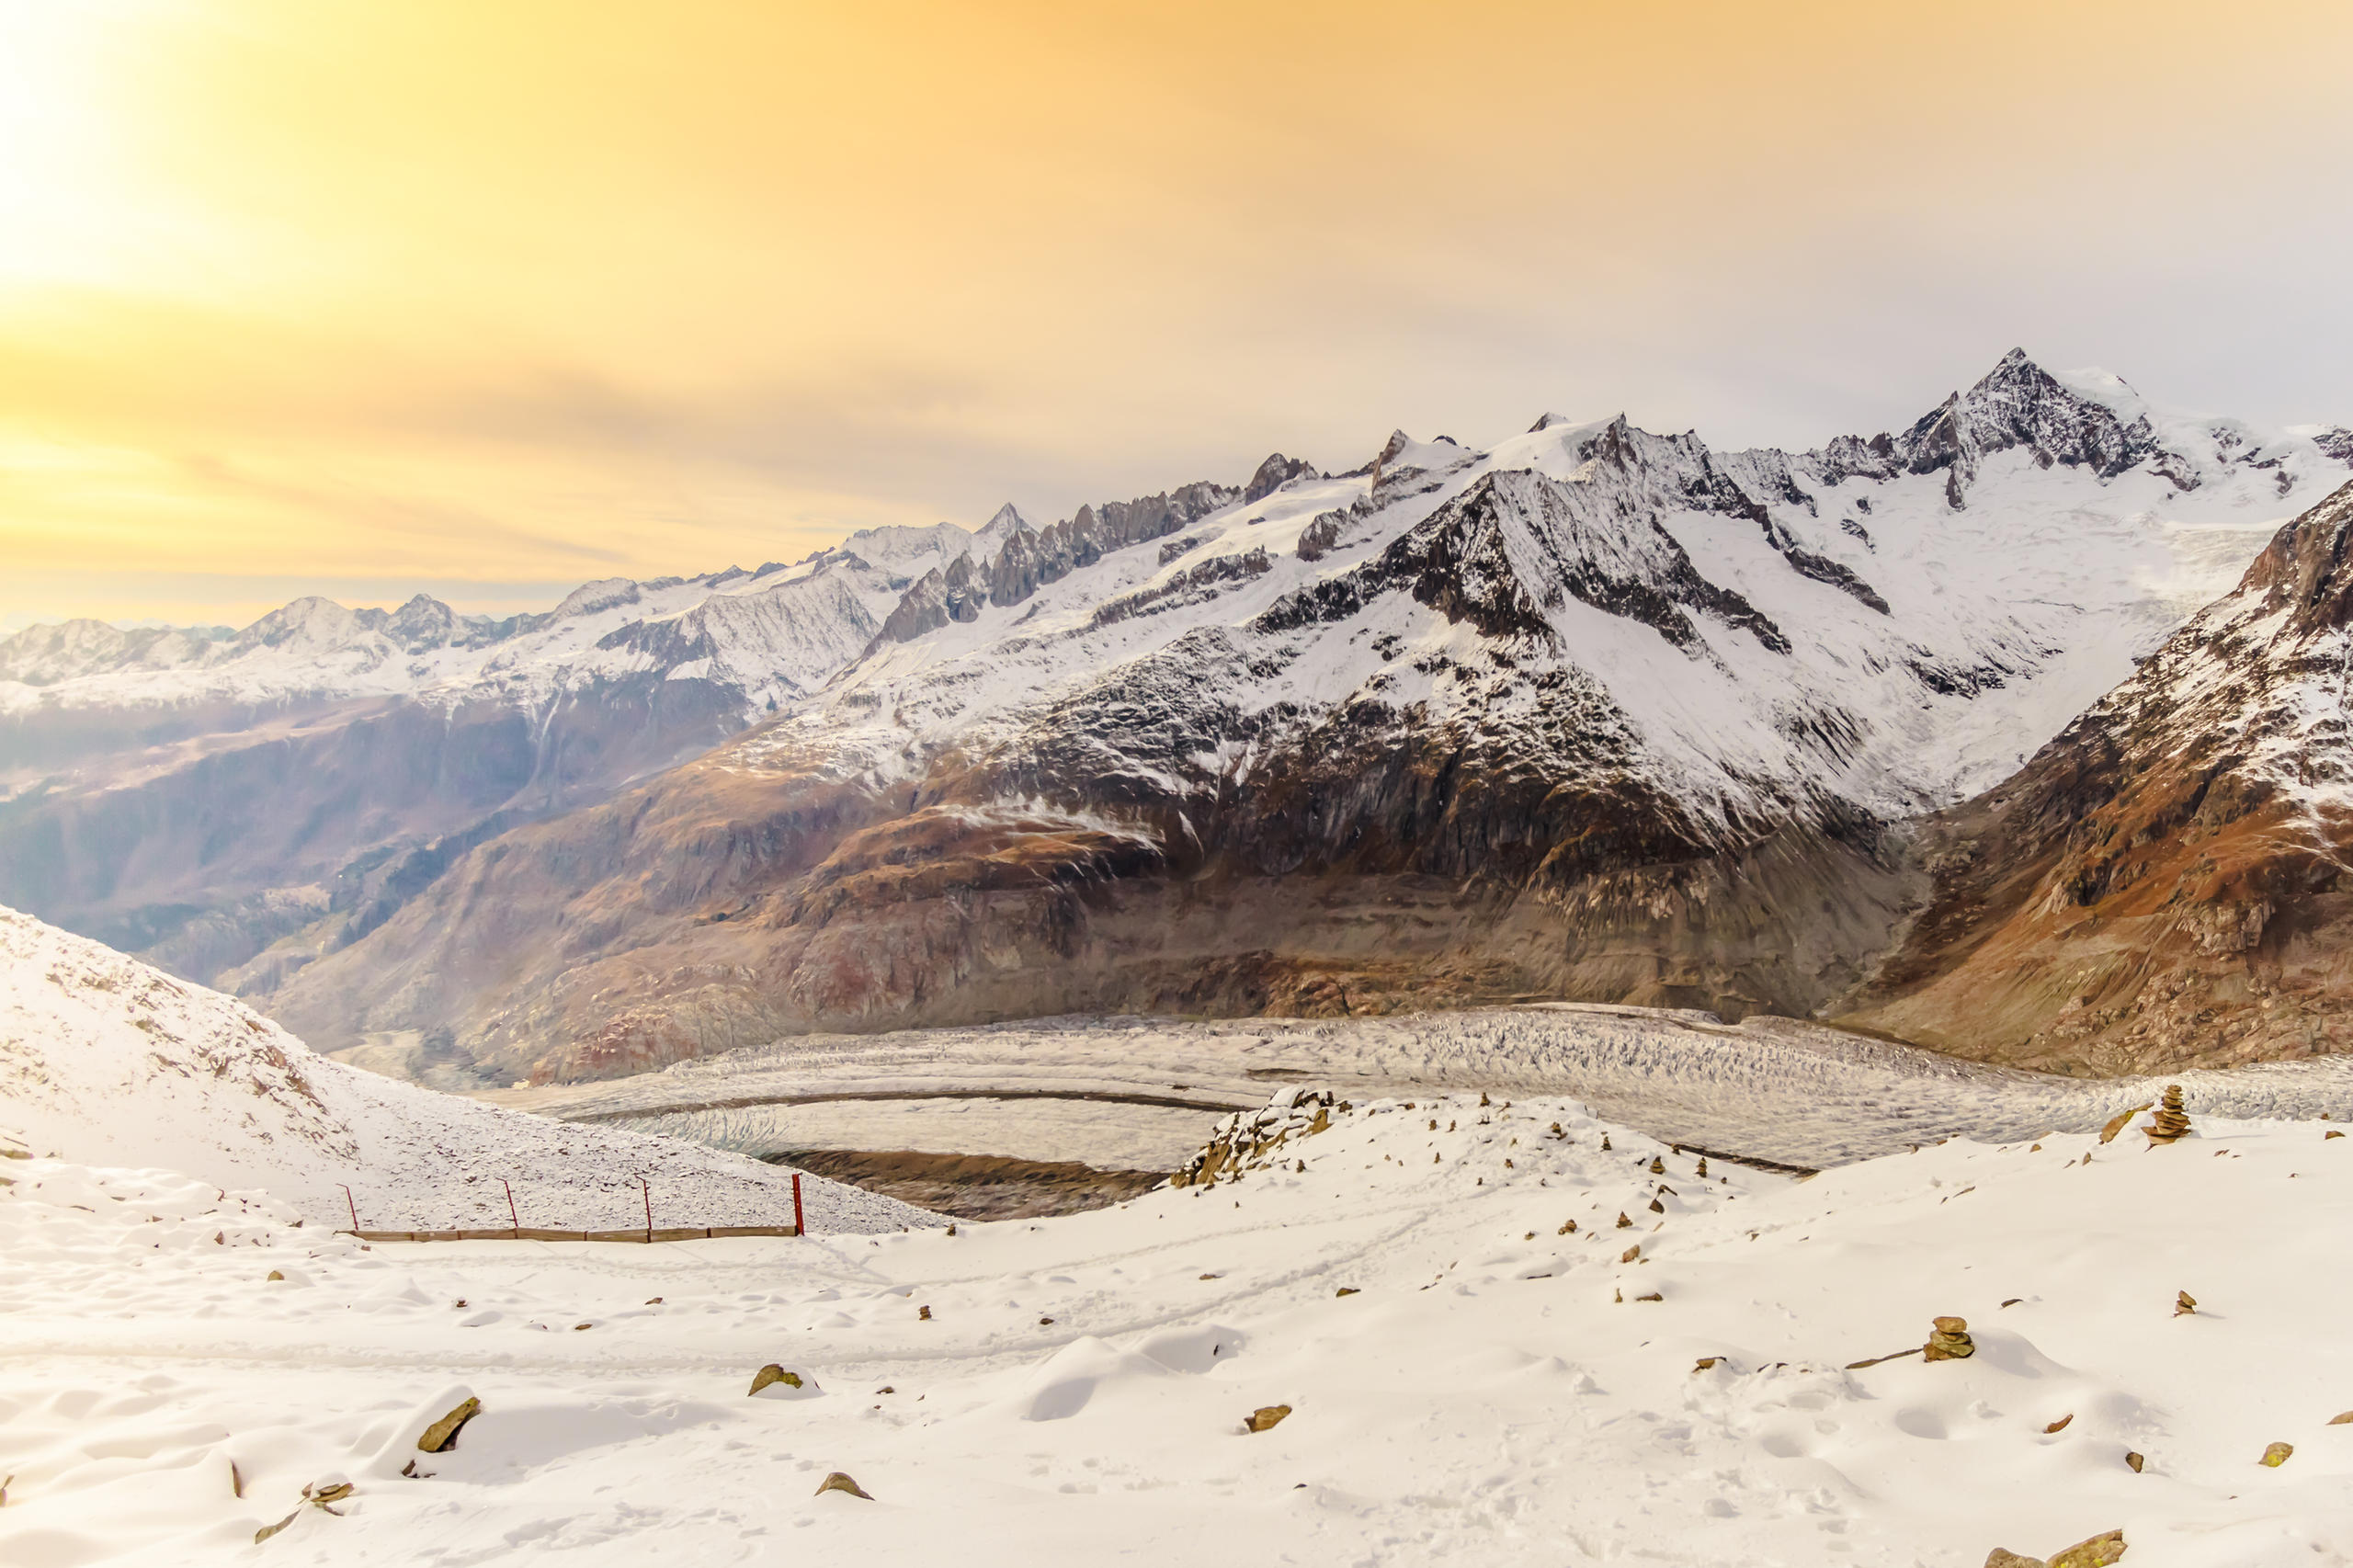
105 1060
1467 1378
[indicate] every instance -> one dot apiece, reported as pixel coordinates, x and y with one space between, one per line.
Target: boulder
839 1481
2003 1557
2119 1123
772 1374
2276 1454
1267 1417
442 1435
2097 1552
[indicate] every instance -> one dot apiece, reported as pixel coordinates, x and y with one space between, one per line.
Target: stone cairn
1951 1342
2171 1122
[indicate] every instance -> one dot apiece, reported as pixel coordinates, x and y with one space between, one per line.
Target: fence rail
529 1234
517 1231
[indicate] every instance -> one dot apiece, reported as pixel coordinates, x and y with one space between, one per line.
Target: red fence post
354 1206
800 1225
512 1219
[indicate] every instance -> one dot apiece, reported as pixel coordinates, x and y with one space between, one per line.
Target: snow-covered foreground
1494 1390
106 1061
1068 1089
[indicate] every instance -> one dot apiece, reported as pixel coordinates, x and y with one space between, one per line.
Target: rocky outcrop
1030 561
1274 473
2018 404
938 597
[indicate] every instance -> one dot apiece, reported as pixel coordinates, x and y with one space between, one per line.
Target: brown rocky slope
2164 885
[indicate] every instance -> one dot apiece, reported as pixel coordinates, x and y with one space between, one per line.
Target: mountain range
1878 731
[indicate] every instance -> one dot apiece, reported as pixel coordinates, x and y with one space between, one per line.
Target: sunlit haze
485 299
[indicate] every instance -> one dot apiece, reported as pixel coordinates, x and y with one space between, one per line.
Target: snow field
1495 1391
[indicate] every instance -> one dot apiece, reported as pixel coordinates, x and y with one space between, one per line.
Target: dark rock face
1030 561
1185 586
1315 541
2162 885
2018 403
1274 473
1464 562
936 599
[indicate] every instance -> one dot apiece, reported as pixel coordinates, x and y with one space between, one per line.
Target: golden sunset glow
490 297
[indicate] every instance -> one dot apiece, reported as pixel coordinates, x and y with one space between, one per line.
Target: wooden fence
526 1234
518 1232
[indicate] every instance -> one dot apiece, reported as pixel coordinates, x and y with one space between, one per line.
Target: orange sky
492 297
